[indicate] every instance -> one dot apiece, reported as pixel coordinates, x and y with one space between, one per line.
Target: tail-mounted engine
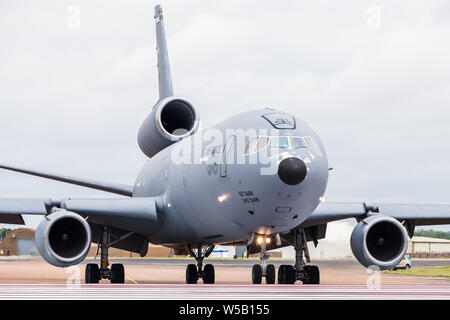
171 120
63 238
379 240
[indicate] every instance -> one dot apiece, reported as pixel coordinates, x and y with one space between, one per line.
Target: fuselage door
227 155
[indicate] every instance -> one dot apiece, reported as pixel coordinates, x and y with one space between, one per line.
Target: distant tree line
433 234
4 232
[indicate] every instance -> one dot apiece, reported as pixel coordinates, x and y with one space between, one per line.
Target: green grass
423 272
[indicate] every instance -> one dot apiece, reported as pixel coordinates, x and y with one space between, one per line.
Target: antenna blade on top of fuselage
164 76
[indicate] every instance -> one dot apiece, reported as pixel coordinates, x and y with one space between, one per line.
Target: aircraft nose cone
292 171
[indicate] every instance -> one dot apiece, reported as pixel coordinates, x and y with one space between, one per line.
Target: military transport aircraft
258 182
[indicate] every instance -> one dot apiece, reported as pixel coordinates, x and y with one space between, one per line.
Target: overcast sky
77 78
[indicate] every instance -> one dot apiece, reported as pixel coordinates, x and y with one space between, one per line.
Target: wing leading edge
122 189
137 214
411 214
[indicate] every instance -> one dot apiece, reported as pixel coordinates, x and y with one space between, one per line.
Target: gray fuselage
226 195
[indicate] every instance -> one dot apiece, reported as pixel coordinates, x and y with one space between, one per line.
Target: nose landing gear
195 272
263 269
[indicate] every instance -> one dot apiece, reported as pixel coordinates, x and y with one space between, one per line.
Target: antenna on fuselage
164 76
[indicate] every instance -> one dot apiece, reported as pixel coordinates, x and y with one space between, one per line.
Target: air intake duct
171 120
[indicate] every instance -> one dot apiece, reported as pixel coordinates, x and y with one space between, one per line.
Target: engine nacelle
63 238
379 240
171 120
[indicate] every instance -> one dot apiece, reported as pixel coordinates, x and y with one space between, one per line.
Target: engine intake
171 120
63 238
380 241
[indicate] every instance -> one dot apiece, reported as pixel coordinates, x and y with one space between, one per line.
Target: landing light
221 198
260 240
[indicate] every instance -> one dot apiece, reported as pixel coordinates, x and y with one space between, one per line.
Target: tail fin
164 76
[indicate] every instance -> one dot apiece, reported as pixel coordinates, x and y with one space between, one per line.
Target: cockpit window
262 143
313 145
251 145
288 142
255 144
298 142
279 142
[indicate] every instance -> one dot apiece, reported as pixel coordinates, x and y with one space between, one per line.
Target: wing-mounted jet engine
380 241
171 120
63 238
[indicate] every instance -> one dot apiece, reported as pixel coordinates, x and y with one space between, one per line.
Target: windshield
279 142
283 142
298 142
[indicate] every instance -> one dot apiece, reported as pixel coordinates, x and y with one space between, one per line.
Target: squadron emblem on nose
280 120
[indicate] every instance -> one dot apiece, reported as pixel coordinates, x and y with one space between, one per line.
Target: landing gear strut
116 274
308 274
263 269
195 272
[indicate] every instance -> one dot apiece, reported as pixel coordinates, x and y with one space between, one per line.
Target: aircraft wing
124 190
412 214
137 214
11 210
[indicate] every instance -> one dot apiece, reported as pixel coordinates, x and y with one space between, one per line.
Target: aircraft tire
191 274
282 274
208 274
117 273
92 273
270 274
313 275
256 274
290 274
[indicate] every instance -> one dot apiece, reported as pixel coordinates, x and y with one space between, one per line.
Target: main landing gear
287 274
116 274
308 274
195 272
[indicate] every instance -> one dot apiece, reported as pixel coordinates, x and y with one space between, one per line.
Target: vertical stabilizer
164 76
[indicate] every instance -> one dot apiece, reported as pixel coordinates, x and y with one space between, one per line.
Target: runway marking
214 292
131 280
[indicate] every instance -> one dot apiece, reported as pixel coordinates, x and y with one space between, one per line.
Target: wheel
312 275
282 274
208 274
117 273
290 274
191 274
256 274
92 274
270 274
394 269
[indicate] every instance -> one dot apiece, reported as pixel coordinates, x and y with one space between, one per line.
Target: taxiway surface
164 279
